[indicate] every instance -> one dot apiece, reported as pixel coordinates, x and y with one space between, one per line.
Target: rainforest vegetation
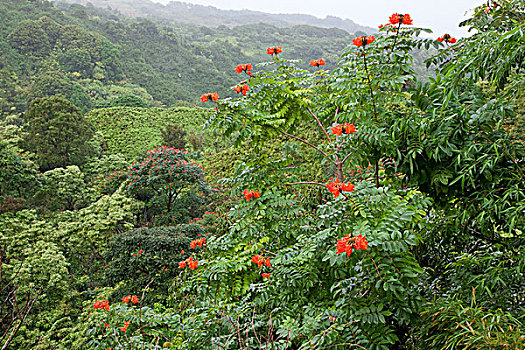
170 185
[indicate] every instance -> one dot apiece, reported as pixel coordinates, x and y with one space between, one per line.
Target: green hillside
96 58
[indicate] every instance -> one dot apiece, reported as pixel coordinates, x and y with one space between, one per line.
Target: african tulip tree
163 176
339 271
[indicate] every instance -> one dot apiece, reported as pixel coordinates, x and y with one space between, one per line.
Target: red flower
125 328
336 187
400 19
267 262
198 242
126 299
134 299
363 40
349 128
274 50
266 275
348 187
257 259
447 38
343 246
249 194
361 242
358 41
209 97
338 130
244 68
101 304
317 63
241 89
192 264
347 244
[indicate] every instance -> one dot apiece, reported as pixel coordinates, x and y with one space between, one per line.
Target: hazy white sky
441 16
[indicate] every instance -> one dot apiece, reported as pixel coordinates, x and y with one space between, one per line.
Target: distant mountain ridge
209 16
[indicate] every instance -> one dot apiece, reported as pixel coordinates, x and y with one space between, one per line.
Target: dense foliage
131 131
57 132
357 206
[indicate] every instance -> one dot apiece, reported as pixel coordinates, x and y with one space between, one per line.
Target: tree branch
305 142
319 122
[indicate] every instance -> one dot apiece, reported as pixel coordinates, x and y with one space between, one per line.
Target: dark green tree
174 136
30 38
56 131
142 255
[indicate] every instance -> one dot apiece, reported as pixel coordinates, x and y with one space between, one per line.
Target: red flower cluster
192 264
447 38
337 130
347 128
346 244
242 89
266 275
134 299
337 187
198 242
401 19
249 194
244 68
274 50
125 328
317 63
259 260
213 96
363 40
101 304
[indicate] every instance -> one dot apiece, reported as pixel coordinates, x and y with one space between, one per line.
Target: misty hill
210 16
96 57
